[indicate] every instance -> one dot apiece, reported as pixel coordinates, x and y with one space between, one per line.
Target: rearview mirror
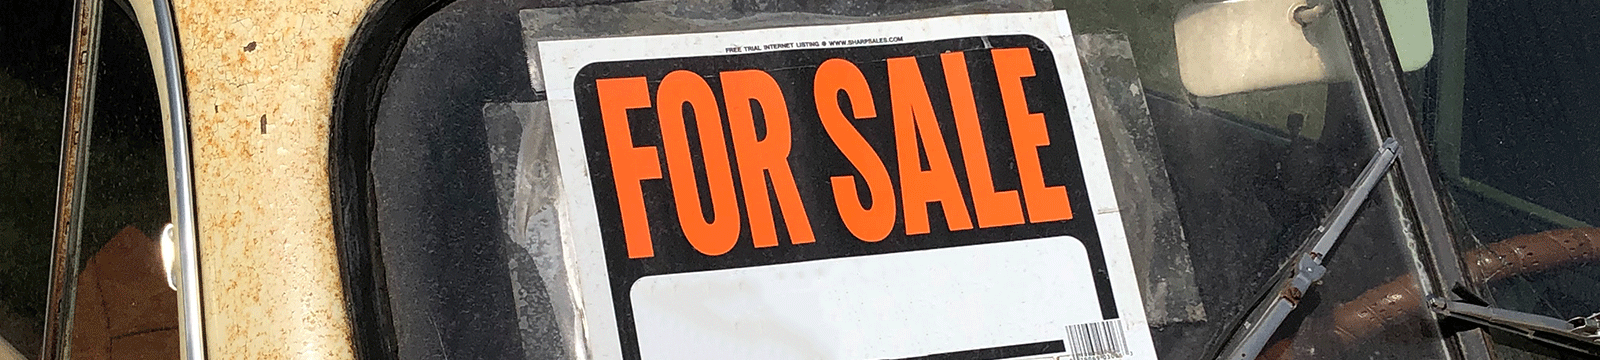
1246 45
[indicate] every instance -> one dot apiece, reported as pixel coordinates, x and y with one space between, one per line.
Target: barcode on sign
1097 340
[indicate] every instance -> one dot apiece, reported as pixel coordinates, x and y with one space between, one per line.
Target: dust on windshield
1508 105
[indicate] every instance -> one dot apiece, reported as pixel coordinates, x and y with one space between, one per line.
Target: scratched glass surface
1226 187
1507 104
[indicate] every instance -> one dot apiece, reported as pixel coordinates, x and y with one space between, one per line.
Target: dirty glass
1217 192
1253 173
1508 105
33 75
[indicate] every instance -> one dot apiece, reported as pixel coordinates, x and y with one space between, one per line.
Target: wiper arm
1579 334
1248 342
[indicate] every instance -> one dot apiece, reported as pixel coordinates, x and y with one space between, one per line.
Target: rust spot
250 47
338 46
1292 294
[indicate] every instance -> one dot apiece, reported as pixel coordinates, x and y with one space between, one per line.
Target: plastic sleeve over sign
530 197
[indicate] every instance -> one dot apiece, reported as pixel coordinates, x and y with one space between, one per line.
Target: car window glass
1253 173
1507 107
116 299
33 74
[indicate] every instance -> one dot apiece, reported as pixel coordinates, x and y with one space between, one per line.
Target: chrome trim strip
191 327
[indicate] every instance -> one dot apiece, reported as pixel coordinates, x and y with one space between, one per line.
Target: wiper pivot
1580 334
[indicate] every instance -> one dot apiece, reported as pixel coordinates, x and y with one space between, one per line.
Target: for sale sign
917 188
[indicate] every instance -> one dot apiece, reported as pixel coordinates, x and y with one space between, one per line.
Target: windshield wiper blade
1249 340
1580 334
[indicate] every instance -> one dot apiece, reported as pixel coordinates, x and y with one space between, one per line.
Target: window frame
1378 65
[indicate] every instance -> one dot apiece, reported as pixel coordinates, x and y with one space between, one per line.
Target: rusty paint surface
270 280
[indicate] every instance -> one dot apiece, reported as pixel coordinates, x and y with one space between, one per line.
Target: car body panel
260 78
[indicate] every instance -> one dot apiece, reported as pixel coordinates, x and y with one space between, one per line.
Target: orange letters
868 223
994 208
913 119
629 164
1028 133
712 224
717 236
769 155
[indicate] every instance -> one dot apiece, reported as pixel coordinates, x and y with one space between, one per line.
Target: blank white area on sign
878 306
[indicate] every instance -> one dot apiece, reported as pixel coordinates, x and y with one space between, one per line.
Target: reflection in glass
122 307
1253 173
1508 104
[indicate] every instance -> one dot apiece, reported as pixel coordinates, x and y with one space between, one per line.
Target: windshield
1507 104
1216 192
1252 174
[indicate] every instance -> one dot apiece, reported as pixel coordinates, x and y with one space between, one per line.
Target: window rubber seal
364 69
